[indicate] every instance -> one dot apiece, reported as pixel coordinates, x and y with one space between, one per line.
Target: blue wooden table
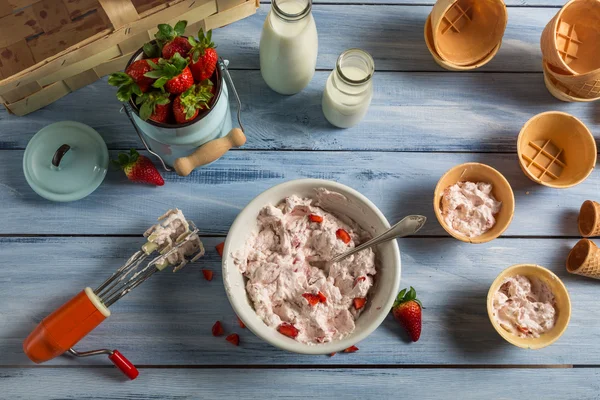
423 120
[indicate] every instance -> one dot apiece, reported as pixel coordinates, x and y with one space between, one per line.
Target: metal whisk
176 242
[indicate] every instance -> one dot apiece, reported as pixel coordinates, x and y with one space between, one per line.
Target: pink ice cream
469 208
276 263
525 306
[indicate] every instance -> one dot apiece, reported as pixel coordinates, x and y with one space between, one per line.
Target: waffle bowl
571 40
556 149
585 87
428 34
476 172
465 32
589 219
561 296
584 259
558 90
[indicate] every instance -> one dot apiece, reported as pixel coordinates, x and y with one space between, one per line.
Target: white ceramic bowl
361 210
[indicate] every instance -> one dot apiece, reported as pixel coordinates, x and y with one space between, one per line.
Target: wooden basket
50 48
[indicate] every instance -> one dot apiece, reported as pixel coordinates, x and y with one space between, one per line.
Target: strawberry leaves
198 47
407 295
149 101
127 87
124 159
166 33
196 97
166 69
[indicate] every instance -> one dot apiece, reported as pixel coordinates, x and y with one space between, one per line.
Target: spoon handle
408 226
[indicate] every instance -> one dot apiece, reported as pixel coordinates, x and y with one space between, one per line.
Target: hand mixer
176 242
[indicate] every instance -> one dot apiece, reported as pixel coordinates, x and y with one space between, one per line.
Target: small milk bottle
288 46
349 89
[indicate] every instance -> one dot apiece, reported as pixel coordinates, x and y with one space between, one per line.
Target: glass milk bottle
349 89
288 46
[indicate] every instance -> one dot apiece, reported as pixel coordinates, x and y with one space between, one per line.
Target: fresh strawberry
178 45
359 302
322 297
343 235
312 299
288 329
217 329
219 248
187 105
154 105
139 168
315 218
174 75
133 80
241 323
234 339
169 40
407 311
351 349
203 56
208 274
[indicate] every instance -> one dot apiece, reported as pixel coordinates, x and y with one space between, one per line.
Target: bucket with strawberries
175 95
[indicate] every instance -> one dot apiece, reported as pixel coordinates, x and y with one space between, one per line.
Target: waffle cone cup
584 259
428 34
571 40
558 90
589 219
583 86
465 32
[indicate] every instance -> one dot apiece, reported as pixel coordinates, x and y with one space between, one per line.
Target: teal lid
65 161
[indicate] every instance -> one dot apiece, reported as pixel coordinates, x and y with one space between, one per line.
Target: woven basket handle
120 12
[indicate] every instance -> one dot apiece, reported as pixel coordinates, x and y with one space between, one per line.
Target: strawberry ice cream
469 208
525 306
311 304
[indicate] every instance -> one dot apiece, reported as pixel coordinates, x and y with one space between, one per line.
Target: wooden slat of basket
81 66
120 12
5 8
145 5
21 92
15 58
51 14
51 43
77 8
114 65
227 17
82 79
18 4
223 5
39 99
133 43
16 27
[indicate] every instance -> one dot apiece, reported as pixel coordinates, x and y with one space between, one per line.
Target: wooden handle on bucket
209 152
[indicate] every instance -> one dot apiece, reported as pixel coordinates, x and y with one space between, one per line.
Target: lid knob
59 154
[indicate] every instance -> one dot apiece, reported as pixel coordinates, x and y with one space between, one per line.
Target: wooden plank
425 384
452 280
409 112
39 99
399 183
21 92
120 12
51 14
15 58
77 8
393 35
18 26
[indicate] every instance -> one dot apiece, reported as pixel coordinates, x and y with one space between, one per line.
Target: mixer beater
176 242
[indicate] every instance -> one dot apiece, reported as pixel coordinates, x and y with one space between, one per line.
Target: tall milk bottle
288 46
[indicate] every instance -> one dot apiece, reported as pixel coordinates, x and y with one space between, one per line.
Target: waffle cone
589 219
583 86
570 40
584 259
558 90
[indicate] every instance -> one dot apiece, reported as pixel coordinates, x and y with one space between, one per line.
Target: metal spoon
408 226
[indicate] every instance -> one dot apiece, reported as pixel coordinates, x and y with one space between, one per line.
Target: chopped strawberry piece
360 279
312 299
359 302
343 235
315 218
288 329
217 329
351 349
219 248
322 297
241 323
208 274
234 339
522 329
331 354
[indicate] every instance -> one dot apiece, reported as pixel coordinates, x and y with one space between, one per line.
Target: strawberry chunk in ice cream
282 284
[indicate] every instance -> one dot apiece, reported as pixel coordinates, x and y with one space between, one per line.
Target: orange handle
66 326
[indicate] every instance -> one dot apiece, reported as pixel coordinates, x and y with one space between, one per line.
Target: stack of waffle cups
571 51
584 259
463 35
